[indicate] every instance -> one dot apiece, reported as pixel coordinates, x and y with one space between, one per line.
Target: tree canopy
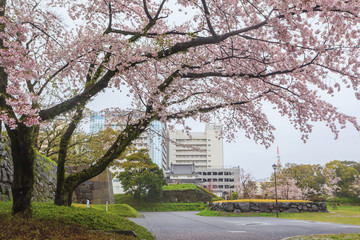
141 177
226 57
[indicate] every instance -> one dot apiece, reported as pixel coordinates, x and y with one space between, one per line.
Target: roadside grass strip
259 200
351 236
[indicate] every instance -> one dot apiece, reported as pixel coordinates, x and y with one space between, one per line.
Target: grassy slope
90 218
188 186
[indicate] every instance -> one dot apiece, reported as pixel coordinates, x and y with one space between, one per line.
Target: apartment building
203 149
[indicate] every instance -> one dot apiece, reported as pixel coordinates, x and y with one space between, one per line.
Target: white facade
204 149
221 181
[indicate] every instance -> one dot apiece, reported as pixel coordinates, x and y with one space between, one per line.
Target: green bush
124 199
216 199
346 200
234 195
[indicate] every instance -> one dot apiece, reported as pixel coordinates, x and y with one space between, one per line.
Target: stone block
244 207
264 207
314 208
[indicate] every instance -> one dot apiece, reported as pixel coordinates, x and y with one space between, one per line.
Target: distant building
181 173
97 123
157 144
153 139
117 187
220 181
203 149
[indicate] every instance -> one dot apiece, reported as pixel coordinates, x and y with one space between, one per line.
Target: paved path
187 225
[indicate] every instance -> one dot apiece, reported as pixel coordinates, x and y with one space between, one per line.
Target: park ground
79 222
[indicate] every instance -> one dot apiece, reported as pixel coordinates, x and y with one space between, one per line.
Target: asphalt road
187 225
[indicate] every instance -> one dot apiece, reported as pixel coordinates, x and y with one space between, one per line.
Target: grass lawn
354 236
157 207
343 215
53 222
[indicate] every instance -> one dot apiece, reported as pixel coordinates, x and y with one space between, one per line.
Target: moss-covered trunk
23 154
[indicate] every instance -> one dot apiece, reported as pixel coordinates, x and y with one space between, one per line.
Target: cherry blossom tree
246 187
227 57
331 186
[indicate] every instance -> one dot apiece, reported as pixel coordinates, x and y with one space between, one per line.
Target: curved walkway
189 226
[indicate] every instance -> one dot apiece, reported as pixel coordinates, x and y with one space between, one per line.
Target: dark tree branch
147 10
207 17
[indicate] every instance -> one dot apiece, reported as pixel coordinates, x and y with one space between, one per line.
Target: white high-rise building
204 149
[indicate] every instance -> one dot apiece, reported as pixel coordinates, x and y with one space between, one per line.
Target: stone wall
98 190
186 196
286 207
45 176
6 173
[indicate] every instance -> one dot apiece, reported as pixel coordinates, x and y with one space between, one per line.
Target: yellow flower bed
260 200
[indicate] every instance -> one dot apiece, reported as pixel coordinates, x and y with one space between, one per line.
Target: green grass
123 210
208 213
180 186
157 207
169 207
189 186
352 236
343 215
90 218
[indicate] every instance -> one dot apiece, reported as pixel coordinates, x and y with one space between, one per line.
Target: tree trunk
23 155
66 186
64 196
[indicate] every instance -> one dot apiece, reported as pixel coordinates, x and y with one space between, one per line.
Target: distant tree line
336 181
